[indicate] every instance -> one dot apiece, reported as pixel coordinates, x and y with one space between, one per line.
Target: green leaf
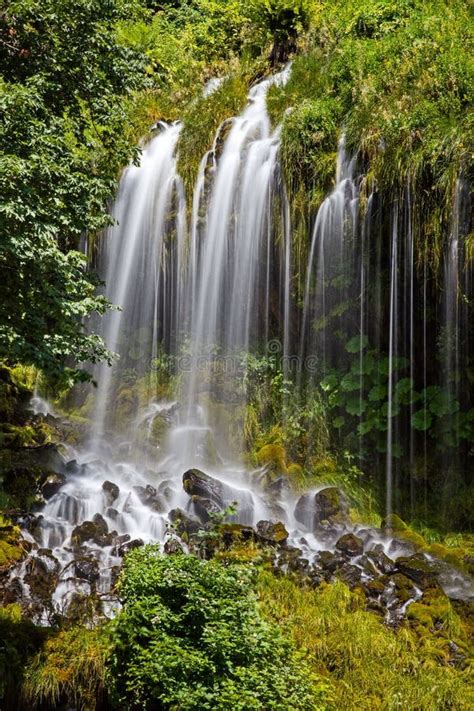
377 393
356 344
338 422
421 420
356 406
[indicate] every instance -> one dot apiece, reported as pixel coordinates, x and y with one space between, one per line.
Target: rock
330 562
149 497
232 532
112 513
418 569
52 485
74 469
87 569
272 533
204 508
130 545
329 504
95 530
349 574
172 547
184 524
382 562
279 486
111 492
196 483
350 544
392 522
41 574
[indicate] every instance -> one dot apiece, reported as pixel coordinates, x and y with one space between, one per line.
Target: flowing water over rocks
216 287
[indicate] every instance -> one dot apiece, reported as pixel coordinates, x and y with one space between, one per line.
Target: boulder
197 483
204 508
350 544
329 504
349 574
111 492
184 524
95 530
380 560
330 562
271 533
149 496
419 569
232 532
87 569
52 485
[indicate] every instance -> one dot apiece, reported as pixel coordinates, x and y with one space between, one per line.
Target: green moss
201 121
10 547
274 456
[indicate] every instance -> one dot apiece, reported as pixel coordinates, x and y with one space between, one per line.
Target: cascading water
205 295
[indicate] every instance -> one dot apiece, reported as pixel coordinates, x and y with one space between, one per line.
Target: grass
371 667
72 667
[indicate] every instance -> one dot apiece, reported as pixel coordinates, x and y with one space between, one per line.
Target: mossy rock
392 522
274 457
11 550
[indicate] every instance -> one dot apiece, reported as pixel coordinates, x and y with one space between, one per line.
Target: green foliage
191 637
363 393
70 668
371 666
64 79
398 79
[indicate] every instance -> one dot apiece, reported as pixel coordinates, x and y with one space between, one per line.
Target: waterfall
202 293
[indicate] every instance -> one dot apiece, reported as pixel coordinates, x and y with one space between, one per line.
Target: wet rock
350 544
418 569
120 541
12 592
87 569
232 532
112 513
392 523
95 530
349 574
52 485
330 562
279 486
130 545
204 508
149 496
183 523
272 533
399 590
329 505
374 588
41 574
111 492
74 468
382 562
173 547
197 483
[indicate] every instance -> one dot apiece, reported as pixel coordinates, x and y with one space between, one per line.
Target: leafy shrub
191 637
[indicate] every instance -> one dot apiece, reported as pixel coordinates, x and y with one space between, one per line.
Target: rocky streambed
73 546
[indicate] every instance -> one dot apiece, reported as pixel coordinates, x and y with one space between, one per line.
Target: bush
191 637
